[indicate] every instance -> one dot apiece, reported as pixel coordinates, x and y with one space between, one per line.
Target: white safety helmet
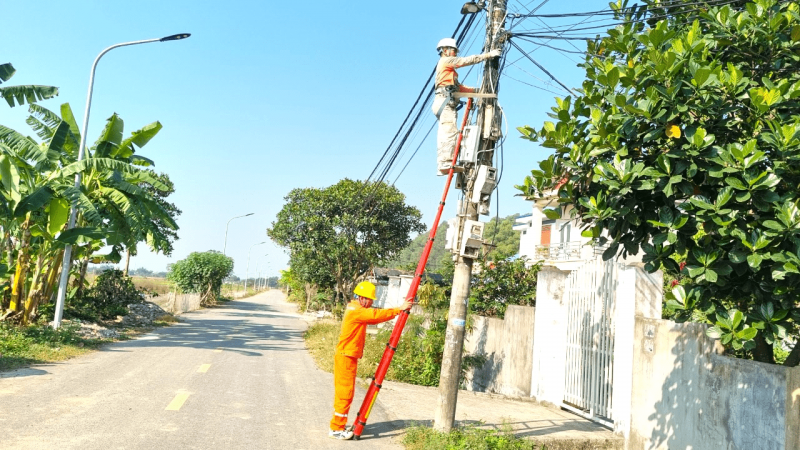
447 42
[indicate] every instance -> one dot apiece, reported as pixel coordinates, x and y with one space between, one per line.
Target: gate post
549 335
638 294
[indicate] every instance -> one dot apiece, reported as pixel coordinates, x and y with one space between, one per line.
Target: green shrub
503 283
12 340
112 292
418 359
107 298
201 272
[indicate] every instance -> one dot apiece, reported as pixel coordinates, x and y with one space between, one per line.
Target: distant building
391 285
559 240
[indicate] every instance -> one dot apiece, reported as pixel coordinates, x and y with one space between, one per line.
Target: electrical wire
558 49
541 67
415 153
430 77
550 28
634 8
611 23
531 85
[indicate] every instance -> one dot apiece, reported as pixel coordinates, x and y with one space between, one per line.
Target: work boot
343 435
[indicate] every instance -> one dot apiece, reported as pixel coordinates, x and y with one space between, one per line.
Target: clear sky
266 97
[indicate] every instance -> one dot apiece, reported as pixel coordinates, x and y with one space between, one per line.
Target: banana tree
18 95
113 205
37 190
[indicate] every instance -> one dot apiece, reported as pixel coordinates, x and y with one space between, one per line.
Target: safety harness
447 92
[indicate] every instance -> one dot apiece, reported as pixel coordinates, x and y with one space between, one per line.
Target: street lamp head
249 214
472 7
175 37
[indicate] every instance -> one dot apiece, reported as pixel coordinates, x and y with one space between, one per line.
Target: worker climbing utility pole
474 182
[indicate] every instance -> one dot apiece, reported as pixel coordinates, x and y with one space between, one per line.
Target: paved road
236 377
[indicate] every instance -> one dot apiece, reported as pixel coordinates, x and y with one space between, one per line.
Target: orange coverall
349 350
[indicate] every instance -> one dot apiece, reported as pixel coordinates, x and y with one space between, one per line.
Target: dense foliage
203 273
503 283
336 235
439 259
684 143
107 298
119 202
502 240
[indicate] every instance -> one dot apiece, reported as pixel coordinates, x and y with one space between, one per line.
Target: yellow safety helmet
365 289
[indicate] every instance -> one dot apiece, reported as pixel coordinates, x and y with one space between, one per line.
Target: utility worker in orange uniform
350 349
444 104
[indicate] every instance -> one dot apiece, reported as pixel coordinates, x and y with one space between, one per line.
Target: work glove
494 53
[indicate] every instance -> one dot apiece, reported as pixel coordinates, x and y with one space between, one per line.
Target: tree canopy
498 233
502 283
201 272
684 143
335 235
501 234
408 258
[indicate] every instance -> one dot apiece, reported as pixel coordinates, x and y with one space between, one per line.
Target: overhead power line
541 67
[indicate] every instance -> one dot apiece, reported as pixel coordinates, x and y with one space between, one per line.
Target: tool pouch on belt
444 95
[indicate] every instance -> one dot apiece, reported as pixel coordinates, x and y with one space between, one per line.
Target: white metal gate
589 367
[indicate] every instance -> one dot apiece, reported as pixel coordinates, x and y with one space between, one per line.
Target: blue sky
266 97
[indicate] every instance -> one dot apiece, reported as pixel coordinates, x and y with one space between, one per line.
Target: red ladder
391 346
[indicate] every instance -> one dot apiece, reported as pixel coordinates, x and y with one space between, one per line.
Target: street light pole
73 215
257 283
225 245
248 265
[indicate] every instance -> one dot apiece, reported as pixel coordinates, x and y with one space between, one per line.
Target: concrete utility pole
487 116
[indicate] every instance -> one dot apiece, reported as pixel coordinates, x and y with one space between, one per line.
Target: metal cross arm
473 95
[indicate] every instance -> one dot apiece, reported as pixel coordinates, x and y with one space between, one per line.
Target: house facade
557 240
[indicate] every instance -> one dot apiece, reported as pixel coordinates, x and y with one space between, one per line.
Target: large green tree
684 143
202 273
336 235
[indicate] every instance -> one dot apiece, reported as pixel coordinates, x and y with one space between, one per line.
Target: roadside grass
416 361
322 337
36 344
41 344
473 438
